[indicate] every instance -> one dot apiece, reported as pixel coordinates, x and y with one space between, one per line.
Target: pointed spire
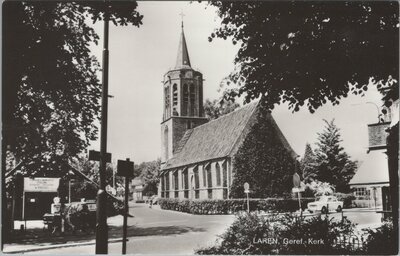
183 55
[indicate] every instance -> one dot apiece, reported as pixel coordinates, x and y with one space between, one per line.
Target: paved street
153 231
161 232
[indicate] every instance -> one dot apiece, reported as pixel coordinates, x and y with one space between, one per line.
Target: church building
197 154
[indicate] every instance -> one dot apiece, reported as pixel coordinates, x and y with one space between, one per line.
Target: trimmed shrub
230 206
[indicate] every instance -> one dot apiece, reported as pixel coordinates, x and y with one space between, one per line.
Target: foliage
217 108
323 231
255 234
149 173
333 164
308 164
310 53
50 86
263 161
230 206
319 188
85 189
382 240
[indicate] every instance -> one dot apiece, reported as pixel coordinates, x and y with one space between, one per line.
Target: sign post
125 169
247 191
296 187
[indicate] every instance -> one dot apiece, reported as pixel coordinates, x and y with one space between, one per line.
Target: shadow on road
38 236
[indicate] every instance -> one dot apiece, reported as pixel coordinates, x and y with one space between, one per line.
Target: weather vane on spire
182 14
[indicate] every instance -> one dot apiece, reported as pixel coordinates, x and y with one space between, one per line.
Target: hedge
230 206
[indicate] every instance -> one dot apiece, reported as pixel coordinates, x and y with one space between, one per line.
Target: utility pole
101 227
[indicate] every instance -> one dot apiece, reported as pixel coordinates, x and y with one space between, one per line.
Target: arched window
175 100
166 146
196 182
218 173
225 180
162 185
185 100
209 176
192 100
185 183
167 185
167 102
176 183
209 181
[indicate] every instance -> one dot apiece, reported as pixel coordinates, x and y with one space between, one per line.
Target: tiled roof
218 138
374 169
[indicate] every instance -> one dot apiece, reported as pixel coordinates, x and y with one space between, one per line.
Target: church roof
374 169
182 60
218 138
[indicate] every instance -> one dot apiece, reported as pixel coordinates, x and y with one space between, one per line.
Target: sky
139 57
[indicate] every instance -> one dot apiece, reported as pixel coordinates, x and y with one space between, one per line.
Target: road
154 231
161 232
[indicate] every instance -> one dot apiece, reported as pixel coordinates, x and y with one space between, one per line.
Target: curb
56 246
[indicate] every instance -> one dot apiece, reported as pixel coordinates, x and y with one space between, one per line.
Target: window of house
362 192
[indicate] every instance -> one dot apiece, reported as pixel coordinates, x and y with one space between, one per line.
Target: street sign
95 156
296 180
41 184
125 168
246 187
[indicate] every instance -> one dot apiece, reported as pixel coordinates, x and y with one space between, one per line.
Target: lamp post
101 227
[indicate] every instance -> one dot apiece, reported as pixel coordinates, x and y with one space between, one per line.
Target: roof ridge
227 115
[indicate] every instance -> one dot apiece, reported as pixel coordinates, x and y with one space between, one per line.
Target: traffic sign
95 156
125 168
296 180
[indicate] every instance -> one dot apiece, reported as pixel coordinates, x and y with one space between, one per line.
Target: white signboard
41 184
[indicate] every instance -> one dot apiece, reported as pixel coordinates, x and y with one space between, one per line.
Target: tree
149 173
308 163
50 86
309 53
333 164
217 108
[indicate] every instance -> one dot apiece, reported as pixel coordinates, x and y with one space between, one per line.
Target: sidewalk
35 238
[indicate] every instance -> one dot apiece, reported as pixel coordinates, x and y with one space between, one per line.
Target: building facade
197 154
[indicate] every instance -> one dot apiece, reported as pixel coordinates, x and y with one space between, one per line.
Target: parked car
325 204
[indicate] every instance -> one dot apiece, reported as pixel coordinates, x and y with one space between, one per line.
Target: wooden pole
125 226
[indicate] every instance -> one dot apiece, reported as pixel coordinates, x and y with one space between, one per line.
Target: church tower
182 101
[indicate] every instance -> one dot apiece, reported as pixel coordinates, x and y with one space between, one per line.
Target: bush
230 206
255 234
382 240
